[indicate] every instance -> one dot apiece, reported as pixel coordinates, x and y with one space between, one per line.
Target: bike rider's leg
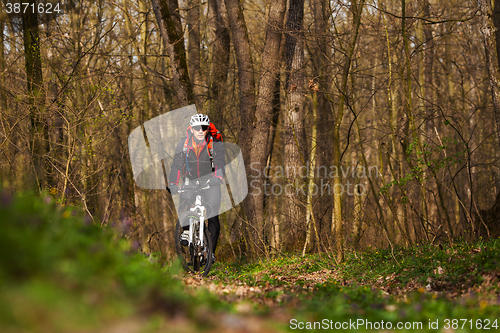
214 228
211 199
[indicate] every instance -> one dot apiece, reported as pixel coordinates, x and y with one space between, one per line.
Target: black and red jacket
187 164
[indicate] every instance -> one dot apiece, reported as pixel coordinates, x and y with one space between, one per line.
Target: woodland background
409 87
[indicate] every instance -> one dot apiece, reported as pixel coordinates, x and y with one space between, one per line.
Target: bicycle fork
198 208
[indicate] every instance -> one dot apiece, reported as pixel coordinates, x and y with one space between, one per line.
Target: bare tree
193 49
294 141
261 124
36 96
337 228
167 15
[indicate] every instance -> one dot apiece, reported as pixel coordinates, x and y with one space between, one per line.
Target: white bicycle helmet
199 119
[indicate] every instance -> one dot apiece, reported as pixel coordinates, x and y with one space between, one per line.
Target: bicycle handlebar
195 187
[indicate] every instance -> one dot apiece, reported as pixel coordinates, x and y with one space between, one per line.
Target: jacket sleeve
177 164
219 159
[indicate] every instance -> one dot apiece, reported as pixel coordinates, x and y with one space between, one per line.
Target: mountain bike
192 238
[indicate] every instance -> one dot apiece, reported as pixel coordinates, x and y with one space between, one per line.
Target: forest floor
59 272
451 288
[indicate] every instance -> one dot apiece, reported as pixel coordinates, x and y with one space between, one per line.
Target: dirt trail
274 301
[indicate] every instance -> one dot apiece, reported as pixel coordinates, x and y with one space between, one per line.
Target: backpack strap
185 151
210 151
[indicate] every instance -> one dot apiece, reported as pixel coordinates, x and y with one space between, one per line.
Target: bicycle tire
189 256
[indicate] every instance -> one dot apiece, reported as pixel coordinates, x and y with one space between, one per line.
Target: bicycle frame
200 209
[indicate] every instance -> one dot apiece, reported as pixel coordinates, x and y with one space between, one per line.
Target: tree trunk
412 127
396 172
337 229
488 29
3 96
310 220
256 122
246 84
270 205
147 195
36 97
144 59
321 61
263 115
294 119
220 65
169 23
193 51
496 22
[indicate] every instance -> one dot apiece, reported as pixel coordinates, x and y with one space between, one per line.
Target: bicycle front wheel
194 258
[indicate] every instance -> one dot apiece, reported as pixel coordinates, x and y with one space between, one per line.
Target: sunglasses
200 127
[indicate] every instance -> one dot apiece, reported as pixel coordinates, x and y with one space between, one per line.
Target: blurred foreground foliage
61 272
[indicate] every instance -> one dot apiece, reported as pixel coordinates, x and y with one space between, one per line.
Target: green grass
422 284
457 266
